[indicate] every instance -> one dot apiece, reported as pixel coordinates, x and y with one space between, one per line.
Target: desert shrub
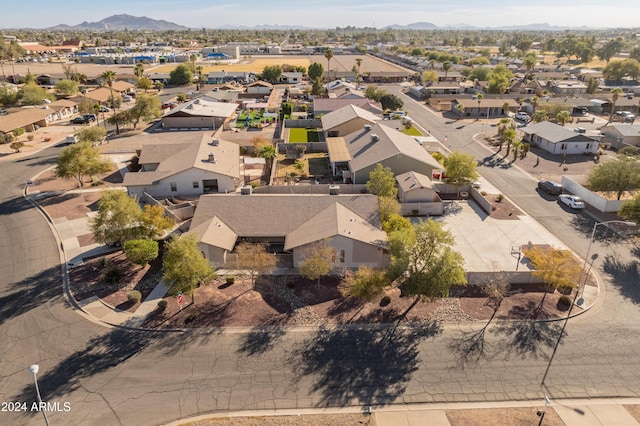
162 305
113 276
629 150
385 301
564 301
191 318
565 289
134 296
230 279
17 132
499 198
30 138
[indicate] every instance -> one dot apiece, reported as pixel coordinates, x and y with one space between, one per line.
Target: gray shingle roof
270 215
366 152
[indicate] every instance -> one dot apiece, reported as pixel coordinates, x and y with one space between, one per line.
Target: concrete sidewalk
572 412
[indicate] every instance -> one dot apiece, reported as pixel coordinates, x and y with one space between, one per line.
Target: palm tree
510 136
139 70
13 52
460 109
199 73
358 63
446 66
192 60
563 117
534 103
529 62
108 77
328 53
480 96
615 92
3 56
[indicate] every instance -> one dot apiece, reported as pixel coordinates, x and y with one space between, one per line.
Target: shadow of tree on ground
625 276
367 366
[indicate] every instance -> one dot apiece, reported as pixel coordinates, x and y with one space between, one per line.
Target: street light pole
593 235
34 370
575 297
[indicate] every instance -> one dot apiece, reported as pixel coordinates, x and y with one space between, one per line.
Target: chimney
212 157
374 137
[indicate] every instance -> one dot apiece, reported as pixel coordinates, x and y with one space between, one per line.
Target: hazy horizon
330 13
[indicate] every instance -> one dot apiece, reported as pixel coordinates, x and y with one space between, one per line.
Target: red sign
179 299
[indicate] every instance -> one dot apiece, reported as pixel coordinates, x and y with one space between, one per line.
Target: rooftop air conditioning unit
212 157
246 190
367 127
374 137
215 142
334 189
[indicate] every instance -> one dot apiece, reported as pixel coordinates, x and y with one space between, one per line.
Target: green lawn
412 131
299 135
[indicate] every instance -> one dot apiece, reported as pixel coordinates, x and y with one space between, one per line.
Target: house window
563 147
196 184
341 256
174 187
588 146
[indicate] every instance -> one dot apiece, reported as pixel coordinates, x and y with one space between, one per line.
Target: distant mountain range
122 22
528 27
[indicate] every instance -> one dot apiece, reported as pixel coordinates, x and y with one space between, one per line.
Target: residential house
415 187
558 140
199 164
567 87
355 155
28 119
259 88
325 105
159 77
347 120
62 109
485 108
620 135
450 76
221 77
49 79
229 96
290 224
290 77
199 113
339 87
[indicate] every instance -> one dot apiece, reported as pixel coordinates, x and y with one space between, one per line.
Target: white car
571 201
523 116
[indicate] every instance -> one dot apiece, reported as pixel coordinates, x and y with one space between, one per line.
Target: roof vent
374 137
212 157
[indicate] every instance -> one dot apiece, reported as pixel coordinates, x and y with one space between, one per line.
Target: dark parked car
80 120
550 187
90 117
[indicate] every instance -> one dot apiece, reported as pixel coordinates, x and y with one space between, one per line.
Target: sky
329 13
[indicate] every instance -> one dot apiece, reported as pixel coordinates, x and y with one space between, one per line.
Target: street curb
399 408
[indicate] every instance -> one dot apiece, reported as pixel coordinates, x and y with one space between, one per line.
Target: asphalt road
116 376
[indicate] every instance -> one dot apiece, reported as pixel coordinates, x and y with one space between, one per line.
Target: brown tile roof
21 118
